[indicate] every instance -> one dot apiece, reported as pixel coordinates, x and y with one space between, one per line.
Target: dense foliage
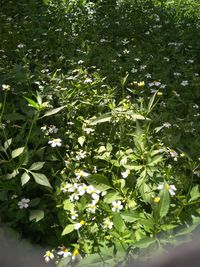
99 126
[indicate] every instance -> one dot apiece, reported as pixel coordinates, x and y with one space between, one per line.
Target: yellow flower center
76 252
167 186
82 222
156 200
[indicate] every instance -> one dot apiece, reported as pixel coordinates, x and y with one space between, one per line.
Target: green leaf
151 101
52 112
97 260
194 193
7 143
187 230
164 203
25 178
155 160
99 181
118 223
68 229
130 216
36 166
145 191
112 196
68 205
11 175
36 215
15 153
133 167
81 140
145 242
64 261
32 103
41 179
103 118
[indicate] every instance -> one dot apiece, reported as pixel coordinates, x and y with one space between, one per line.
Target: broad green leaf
146 192
36 215
25 178
155 160
52 112
140 234
118 223
41 179
99 181
145 242
164 203
68 205
36 166
68 229
130 216
112 196
194 193
15 153
7 143
81 140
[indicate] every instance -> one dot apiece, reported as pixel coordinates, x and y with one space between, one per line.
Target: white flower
73 214
82 189
92 207
177 74
171 188
79 225
148 75
93 192
48 255
184 83
14 196
64 252
55 142
52 129
5 87
157 83
80 154
67 188
125 174
24 203
88 80
74 197
134 70
173 153
167 125
80 173
117 206
20 45
88 130
107 224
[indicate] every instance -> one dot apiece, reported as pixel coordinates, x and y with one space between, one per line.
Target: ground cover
100 126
